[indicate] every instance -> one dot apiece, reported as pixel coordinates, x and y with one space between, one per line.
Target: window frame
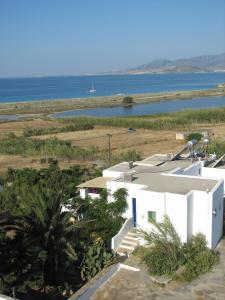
150 215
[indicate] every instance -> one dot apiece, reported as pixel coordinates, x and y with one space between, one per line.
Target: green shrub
31 131
128 100
199 259
95 258
50 147
194 136
165 252
141 252
177 120
217 147
199 264
131 155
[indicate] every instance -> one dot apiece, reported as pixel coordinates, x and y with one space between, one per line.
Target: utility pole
109 148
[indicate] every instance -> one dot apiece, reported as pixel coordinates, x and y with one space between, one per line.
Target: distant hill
203 63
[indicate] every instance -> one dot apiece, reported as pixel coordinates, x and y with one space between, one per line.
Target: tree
128 100
48 237
41 243
107 216
19 183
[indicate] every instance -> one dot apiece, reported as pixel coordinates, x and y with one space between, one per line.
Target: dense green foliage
217 147
18 184
130 155
95 209
52 239
199 259
165 253
164 121
194 136
54 148
49 147
128 100
95 258
31 131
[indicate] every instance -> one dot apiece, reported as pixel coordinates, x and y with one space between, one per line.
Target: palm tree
49 236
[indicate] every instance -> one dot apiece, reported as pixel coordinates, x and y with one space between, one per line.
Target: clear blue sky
63 37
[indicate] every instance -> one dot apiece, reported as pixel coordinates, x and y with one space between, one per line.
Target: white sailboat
92 90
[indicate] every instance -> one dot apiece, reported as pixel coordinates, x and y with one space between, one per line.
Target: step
132 234
131 238
129 242
122 252
126 247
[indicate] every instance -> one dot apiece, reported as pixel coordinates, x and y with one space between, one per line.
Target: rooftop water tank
192 143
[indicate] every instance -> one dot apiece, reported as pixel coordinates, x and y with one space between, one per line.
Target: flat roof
177 184
98 182
167 166
155 158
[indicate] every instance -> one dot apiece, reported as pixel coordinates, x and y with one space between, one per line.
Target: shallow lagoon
146 108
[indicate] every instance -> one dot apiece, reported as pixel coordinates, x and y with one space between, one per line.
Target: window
151 216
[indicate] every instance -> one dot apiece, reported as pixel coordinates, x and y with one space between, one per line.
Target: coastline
47 107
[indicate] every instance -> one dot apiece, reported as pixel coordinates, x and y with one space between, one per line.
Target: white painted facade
197 207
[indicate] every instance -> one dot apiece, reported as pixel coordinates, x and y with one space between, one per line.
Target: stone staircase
128 244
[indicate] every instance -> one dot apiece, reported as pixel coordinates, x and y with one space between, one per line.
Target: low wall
117 239
90 288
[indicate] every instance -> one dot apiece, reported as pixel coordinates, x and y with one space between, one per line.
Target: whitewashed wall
132 190
190 214
190 204
112 173
176 209
213 173
83 193
149 201
109 173
173 205
201 217
192 170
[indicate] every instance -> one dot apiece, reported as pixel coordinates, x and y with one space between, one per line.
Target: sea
50 88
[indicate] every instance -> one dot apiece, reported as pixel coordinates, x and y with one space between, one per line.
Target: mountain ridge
201 63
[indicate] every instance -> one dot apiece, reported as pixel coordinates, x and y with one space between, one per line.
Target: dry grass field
18 126
19 162
144 141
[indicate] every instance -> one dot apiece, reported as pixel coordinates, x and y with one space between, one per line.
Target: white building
190 194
